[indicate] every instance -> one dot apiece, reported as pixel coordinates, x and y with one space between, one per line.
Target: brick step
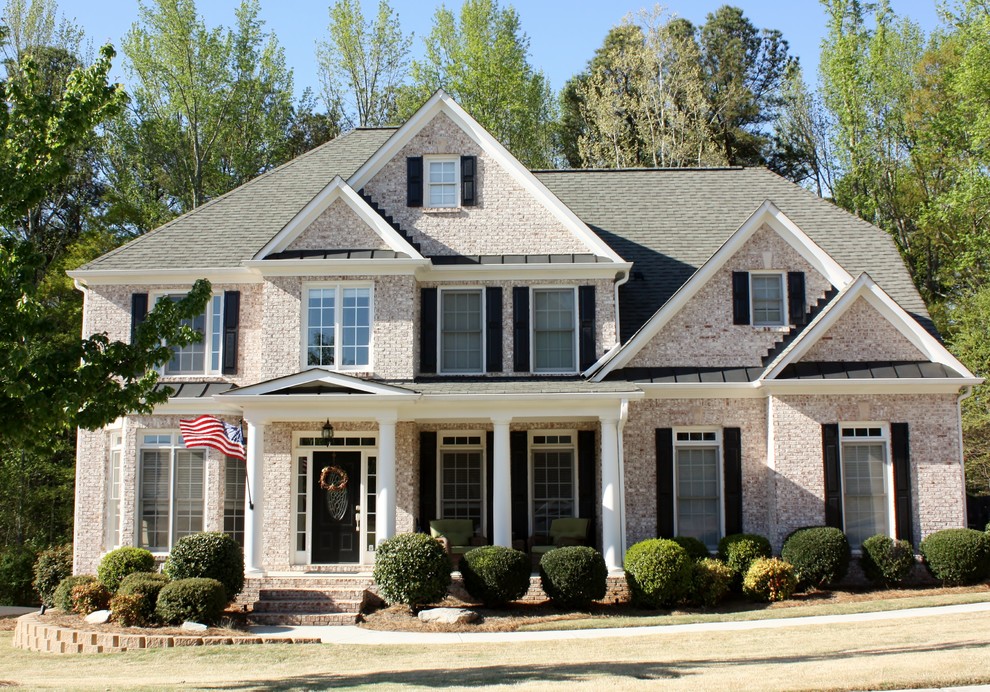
297 606
315 619
313 583
333 594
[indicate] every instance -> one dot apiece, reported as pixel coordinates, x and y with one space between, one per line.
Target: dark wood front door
336 534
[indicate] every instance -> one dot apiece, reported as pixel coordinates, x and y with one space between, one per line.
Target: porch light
327 433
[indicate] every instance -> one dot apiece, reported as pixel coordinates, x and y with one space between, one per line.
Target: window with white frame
235 481
337 327
698 483
866 480
442 177
171 495
204 356
462 472
461 320
768 298
554 483
554 330
115 474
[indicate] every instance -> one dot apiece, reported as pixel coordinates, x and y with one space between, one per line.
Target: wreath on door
333 478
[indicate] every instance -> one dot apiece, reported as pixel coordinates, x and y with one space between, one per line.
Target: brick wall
862 334
338 227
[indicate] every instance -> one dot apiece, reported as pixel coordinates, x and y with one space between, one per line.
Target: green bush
16 574
710 582
886 561
118 563
147 586
820 555
195 599
210 555
738 551
127 609
696 550
62 599
659 572
573 576
495 575
412 568
770 579
957 556
90 596
52 566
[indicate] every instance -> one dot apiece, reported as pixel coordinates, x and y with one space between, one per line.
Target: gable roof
317 381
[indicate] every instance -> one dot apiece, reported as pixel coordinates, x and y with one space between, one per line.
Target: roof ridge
645 169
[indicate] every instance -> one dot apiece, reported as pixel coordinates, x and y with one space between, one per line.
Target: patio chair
567 531
456 536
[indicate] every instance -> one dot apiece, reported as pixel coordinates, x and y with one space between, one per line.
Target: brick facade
338 228
862 334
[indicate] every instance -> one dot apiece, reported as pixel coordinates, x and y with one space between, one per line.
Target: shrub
90 596
658 571
118 563
52 566
495 575
710 582
770 579
127 609
740 549
412 568
886 561
195 599
146 586
210 555
16 574
820 555
573 576
957 556
696 550
62 599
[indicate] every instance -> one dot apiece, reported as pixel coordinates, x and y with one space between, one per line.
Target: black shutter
139 311
795 298
520 328
468 181
902 480
414 181
493 329
665 482
732 478
490 483
586 481
519 483
740 297
428 330
231 320
586 320
427 479
833 483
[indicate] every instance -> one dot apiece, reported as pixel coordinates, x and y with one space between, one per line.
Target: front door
336 533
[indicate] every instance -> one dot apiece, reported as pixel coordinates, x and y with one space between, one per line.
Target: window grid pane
235 475
189 470
553 488
553 330
698 494
371 505
320 337
190 358
356 327
154 499
460 331
443 184
216 333
113 508
768 299
460 486
864 486
302 482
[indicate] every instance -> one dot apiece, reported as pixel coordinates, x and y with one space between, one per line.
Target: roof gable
318 381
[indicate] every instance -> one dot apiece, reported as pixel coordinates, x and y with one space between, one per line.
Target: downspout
621 279
968 392
623 417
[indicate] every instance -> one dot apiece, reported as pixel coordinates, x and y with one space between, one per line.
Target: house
413 326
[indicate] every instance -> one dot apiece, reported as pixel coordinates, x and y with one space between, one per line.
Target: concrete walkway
8 611
350 634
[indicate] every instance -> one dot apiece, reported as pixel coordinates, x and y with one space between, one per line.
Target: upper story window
442 178
554 330
768 298
461 321
767 294
204 356
337 326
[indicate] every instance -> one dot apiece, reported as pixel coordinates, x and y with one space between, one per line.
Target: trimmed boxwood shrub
696 550
659 572
146 586
118 563
89 597
495 575
195 599
208 555
16 574
886 561
127 609
770 579
573 576
52 566
710 582
738 551
820 555
62 598
957 556
413 569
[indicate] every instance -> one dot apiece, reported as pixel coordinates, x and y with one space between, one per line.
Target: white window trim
338 315
484 330
532 448
719 463
532 329
208 353
888 472
442 158
783 299
447 447
172 447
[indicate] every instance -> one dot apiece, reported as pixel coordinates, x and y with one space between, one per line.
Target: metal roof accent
194 390
685 375
867 370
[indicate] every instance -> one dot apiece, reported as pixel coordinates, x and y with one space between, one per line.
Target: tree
363 64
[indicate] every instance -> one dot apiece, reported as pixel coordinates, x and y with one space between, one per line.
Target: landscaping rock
448 616
98 617
193 626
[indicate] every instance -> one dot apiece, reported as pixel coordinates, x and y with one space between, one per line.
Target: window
866 479
171 494
554 330
698 485
554 484
767 291
461 478
461 323
204 356
441 182
338 327
114 477
235 478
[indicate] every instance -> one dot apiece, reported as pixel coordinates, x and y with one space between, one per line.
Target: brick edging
33 634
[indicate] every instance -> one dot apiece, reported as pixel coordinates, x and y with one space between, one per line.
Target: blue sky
563 33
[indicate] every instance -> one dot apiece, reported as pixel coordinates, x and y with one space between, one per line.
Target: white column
386 478
502 485
254 517
611 518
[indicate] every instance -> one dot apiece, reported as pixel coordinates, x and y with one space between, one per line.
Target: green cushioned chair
569 531
456 535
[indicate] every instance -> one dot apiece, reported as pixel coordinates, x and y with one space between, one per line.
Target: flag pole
247 480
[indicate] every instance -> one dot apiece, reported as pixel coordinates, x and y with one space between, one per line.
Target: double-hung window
698 484
554 489
337 326
866 480
171 497
442 176
461 342
204 356
768 299
554 330
462 478
235 480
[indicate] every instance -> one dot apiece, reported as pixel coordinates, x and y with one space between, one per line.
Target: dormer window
442 182
767 293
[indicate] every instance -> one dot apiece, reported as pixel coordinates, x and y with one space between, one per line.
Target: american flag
209 431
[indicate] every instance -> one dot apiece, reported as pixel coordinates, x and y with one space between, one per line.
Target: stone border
33 634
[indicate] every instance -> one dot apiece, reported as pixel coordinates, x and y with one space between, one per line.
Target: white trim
314 375
173 446
336 267
576 327
208 315
719 470
150 277
483 300
525 272
784 317
338 325
482 449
